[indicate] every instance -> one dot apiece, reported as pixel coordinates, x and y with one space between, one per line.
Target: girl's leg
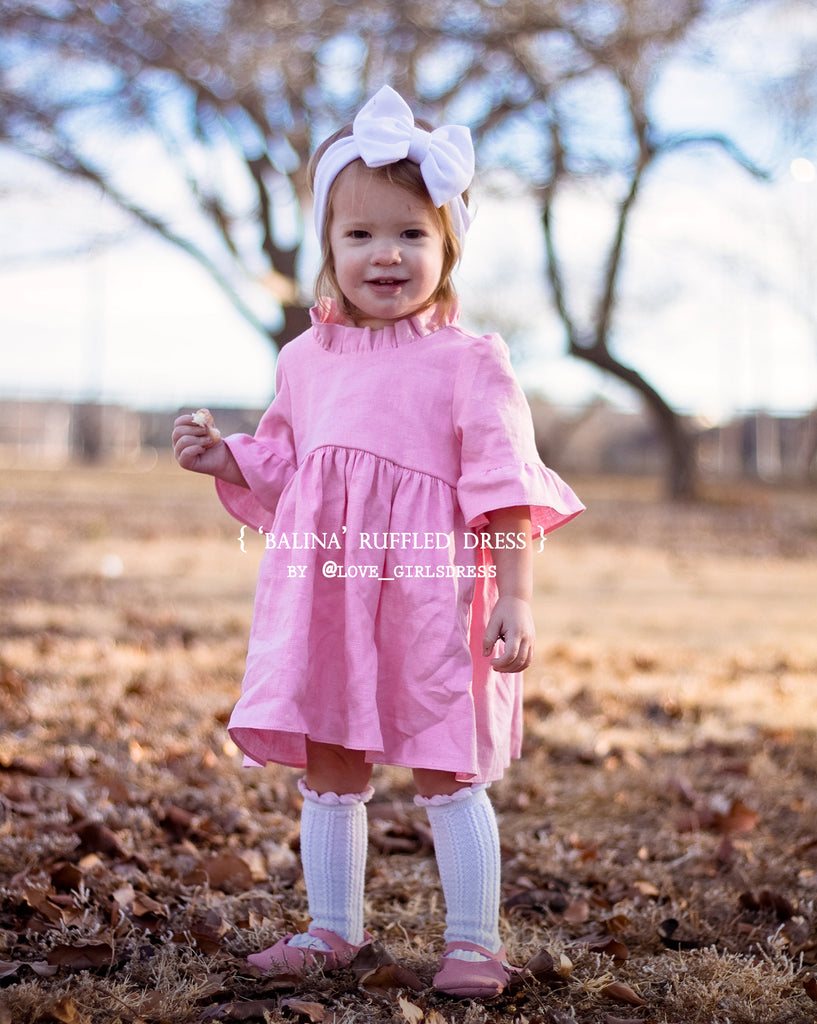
334 842
466 844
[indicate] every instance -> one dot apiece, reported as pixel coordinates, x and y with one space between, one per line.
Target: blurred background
644 229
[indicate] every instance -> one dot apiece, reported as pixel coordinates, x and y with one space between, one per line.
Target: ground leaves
120 813
379 976
313 1012
622 993
387 981
248 1009
666 933
82 955
411 1011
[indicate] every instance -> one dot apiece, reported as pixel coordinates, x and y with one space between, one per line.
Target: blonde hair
404 174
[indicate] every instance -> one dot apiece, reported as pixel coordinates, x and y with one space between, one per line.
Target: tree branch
729 146
70 163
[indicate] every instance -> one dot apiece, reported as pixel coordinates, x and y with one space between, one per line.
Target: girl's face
387 247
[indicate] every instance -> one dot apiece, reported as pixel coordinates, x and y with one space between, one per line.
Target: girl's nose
386 254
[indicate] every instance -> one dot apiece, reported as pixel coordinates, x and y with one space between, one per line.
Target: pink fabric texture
379 458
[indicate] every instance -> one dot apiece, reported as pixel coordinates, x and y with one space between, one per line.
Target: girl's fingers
188 448
190 433
517 655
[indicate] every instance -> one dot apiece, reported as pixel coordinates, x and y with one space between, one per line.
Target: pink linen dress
371 474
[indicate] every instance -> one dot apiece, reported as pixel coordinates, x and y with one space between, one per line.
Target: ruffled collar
333 330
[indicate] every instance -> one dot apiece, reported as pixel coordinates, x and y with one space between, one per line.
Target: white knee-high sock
466 842
334 842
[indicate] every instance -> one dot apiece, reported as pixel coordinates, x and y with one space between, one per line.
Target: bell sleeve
500 466
267 459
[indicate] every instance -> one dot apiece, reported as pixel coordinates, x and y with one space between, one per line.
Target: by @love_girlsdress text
372 472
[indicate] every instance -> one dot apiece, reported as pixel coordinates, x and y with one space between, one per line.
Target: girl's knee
334 769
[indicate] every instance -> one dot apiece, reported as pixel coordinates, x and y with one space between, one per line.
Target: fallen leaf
98 838
66 1012
610 946
397 834
384 982
411 1011
577 912
646 888
586 850
43 903
145 906
177 821
798 932
228 873
622 993
539 900
66 876
369 957
124 895
34 766
250 1009
432 1017
666 931
81 956
9 967
542 968
42 969
153 1004
739 818
618 923
565 968
768 900
314 1012
213 985
810 985
208 931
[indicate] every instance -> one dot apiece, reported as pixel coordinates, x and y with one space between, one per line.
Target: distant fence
597 439
60 432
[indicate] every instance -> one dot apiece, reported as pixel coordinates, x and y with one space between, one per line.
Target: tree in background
223 101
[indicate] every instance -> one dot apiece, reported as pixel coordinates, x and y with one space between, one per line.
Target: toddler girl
396 477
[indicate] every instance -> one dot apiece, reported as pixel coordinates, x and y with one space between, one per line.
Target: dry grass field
660 834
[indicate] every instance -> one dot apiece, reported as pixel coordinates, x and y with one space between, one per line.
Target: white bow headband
384 132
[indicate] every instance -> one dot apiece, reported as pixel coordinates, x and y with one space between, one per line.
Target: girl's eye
413 233
358 233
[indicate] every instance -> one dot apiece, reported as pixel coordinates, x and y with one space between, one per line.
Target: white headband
383 133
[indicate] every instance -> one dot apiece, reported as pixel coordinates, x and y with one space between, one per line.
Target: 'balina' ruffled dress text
372 472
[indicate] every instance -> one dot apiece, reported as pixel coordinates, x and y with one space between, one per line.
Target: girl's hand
195 449
510 621
512 618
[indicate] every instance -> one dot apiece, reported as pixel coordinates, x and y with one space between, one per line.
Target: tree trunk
680 444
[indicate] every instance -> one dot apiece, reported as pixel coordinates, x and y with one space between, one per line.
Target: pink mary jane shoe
467 979
283 958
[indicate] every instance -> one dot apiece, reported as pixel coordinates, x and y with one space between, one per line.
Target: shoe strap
336 943
472 947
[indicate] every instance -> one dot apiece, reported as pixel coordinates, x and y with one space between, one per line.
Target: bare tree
232 96
224 98
557 61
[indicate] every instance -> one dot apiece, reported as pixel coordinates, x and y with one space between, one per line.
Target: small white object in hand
202 418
